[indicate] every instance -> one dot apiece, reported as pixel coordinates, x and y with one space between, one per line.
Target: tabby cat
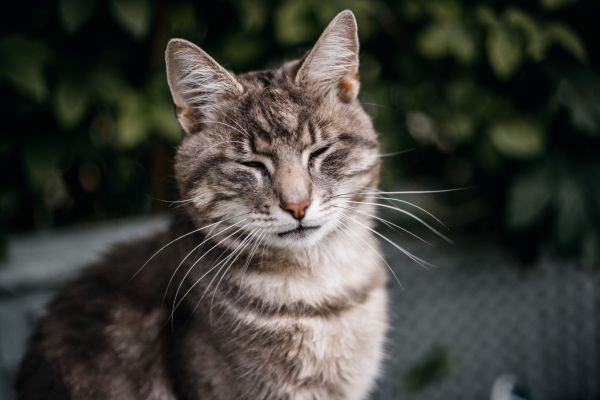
268 283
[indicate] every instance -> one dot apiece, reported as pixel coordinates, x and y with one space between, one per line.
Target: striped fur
245 309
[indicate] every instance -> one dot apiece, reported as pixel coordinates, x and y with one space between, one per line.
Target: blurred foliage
433 367
503 95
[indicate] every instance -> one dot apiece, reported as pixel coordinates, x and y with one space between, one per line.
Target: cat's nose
296 209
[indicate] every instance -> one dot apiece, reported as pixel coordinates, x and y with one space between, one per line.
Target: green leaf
432 41
22 65
504 51
517 138
447 38
564 36
74 13
529 197
164 122
579 92
488 157
133 16
591 249
253 15
159 110
487 16
536 40
292 25
458 127
132 122
107 83
70 103
182 19
571 210
555 4
40 165
238 54
443 10
432 368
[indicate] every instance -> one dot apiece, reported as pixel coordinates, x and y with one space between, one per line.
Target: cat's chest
317 357
338 346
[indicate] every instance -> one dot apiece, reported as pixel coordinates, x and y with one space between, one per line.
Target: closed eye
256 165
315 154
318 152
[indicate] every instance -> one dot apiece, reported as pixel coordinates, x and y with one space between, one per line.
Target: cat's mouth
299 232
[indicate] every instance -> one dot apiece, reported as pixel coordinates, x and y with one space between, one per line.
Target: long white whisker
173 201
210 236
411 204
370 191
179 238
212 301
418 260
248 135
431 228
386 222
192 267
395 153
262 236
212 268
348 230
230 126
416 206
418 191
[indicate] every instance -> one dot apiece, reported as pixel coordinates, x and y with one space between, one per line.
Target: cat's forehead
272 109
275 112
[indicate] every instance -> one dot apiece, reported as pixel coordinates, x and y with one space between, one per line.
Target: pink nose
296 209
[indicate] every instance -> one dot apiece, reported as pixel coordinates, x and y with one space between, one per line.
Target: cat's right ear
332 64
197 82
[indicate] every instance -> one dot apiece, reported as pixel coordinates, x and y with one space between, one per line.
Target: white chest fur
338 353
345 351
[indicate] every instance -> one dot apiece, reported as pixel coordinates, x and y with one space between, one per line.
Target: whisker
248 135
348 230
395 153
192 267
230 126
389 199
431 228
221 263
212 268
218 262
439 221
262 236
250 237
370 191
419 191
193 250
179 238
418 260
173 201
386 222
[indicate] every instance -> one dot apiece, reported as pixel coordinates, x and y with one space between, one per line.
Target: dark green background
502 96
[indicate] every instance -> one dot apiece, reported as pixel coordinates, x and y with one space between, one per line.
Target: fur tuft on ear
197 82
333 61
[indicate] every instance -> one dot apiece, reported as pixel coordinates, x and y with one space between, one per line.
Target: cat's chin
299 238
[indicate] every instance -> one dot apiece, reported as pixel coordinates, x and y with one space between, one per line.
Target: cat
268 283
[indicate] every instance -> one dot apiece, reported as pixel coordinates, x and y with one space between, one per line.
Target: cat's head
276 154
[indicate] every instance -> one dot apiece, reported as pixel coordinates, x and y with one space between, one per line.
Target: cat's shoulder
98 322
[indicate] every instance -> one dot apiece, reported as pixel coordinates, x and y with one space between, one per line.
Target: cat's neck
339 262
335 267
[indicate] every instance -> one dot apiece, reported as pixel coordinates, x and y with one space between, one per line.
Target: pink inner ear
349 87
185 116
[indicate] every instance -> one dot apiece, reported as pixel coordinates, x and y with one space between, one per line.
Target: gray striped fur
285 316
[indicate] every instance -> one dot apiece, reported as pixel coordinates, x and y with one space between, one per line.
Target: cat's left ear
198 83
332 64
